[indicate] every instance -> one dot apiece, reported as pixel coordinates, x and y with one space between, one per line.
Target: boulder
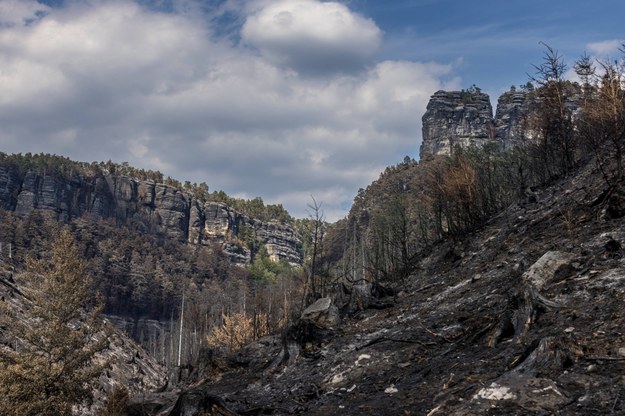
322 314
553 265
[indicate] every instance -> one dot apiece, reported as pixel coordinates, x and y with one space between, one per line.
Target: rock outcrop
465 118
148 207
511 118
453 118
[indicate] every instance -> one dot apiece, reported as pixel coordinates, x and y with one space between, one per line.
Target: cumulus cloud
312 37
115 80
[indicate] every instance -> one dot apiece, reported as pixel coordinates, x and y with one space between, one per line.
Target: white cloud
112 80
605 48
20 12
312 37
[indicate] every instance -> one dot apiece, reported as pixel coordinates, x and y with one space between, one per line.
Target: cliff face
456 118
465 118
148 207
511 127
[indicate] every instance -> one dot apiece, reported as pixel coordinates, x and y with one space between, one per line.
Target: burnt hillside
522 317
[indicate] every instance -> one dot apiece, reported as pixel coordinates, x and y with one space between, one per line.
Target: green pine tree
52 369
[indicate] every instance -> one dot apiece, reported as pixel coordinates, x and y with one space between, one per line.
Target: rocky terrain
524 317
148 207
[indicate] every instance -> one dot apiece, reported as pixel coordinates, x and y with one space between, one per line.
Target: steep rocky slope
524 317
146 206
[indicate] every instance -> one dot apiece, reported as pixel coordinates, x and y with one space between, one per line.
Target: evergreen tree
52 368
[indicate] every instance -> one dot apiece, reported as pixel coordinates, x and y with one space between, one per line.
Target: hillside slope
523 317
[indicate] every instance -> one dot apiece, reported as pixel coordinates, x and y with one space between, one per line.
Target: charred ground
524 317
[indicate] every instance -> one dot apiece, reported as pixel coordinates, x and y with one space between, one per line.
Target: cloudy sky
281 99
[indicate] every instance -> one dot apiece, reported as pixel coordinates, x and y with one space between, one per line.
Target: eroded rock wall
148 207
512 118
453 118
465 118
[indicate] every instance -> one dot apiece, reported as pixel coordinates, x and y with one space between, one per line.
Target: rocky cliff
465 118
511 127
456 118
146 206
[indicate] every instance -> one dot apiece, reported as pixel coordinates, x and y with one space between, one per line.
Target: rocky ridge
148 207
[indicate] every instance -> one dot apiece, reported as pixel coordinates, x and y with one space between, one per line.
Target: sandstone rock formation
149 207
511 118
465 118
456 118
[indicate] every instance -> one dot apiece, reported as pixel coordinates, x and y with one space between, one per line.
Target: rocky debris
150 208
523 386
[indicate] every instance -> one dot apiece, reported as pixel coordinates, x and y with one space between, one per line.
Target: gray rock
322 314
551 265
171 211
10 182
511 122
150 208
453 118
465 118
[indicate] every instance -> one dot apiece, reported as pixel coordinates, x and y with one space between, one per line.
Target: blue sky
493 43
281 99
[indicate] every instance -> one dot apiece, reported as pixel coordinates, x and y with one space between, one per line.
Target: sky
279 99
